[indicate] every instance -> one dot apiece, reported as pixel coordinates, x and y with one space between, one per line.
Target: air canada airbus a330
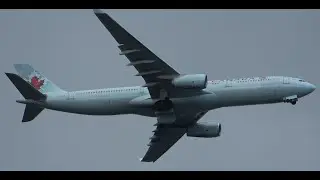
177 101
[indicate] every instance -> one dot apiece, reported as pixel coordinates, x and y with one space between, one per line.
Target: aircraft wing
154 71
166 135
163 139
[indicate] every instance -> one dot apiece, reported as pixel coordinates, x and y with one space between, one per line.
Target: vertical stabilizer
36 79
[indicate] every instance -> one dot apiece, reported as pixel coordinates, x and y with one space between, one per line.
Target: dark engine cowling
192 81
204 130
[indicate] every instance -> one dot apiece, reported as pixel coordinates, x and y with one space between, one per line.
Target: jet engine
204 130
192 81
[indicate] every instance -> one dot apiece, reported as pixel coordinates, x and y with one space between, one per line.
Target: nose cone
310 88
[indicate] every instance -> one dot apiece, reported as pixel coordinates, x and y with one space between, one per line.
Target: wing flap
140 62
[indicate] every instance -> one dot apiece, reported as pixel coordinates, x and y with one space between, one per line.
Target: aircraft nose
310 88
313 87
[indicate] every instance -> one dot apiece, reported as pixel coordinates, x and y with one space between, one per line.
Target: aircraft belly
268 94
237 96
93 106
285 90
201 102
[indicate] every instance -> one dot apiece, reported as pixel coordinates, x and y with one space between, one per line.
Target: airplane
177 101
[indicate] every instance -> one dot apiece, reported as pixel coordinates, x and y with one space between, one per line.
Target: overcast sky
75 51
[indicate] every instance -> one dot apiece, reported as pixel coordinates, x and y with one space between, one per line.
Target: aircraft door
71 96
228 83
285 80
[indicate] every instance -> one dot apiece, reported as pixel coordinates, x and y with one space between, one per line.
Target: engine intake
163 105
192 81
204 130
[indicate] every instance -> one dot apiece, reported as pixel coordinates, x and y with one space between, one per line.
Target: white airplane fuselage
217 94
177 100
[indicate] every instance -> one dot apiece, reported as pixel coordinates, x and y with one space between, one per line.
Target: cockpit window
301 80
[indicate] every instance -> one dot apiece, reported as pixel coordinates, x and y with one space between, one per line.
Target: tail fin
36 79
29 92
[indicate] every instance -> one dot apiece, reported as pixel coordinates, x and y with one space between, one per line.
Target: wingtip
144 160
98 11
9 74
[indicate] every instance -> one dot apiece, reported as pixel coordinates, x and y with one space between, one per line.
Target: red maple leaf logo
36 83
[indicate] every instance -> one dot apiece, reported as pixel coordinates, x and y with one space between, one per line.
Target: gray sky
75 51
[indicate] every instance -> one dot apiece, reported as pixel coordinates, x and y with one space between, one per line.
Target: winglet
98 11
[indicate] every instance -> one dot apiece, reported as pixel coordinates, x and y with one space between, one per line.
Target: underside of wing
163 139
166 135
154 71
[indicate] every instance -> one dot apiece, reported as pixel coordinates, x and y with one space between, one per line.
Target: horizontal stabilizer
32 96
25 88
30 112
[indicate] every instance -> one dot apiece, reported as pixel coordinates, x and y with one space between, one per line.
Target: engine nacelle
192 81
204 130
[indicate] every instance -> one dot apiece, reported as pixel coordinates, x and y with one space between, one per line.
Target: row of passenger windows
107 91
239 81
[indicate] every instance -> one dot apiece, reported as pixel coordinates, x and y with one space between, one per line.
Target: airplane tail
37 79
34 87
29 93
